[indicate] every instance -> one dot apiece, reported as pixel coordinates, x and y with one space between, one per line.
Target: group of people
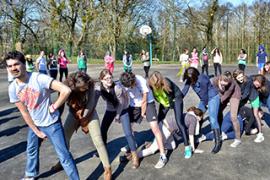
194 59
130 100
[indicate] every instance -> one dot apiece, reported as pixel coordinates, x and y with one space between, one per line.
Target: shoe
135 160
57 167
254 131
224 136
218 141
202 138
259 138
236 143
107 173
125 149
126 157
161 162
188 152
28 178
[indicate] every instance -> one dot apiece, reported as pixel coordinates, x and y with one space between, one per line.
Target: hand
117 118
198 151
41 135
52 108
143 116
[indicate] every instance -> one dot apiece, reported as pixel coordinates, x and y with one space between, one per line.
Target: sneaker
259 138
188 152
224 136
161 162
254 131
235 143
202 138
125 149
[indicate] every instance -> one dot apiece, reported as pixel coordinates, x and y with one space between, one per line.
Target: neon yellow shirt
162 97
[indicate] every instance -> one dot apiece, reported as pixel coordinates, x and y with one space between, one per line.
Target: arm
121 99
228 93
257 61
204 90
221 58
144 104
191 141
63 90
185 89
28 120
212 52
37 64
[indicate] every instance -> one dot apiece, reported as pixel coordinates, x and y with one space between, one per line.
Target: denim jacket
203 88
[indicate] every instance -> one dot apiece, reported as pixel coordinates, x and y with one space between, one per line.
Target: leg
178 112
206 69
32 151
203 67
61 71
95 134
219 69
128 132
234 104
66 73
56 136
70 126
215 68
106 123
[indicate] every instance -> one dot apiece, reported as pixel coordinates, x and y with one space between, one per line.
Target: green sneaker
188 152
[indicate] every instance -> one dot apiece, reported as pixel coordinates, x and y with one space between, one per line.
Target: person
169 96
146 62
261 58
109 62
217 60
204 61
82 61
127 62
242 60
31 94
266 68
184 64
209 96
249 93
229 92
41 63
142 105
194 60
63 61
117 100
246 121
82 113
9 77
29 63
52 66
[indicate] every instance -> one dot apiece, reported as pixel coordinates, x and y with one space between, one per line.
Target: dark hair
196 111
191 74
103 73
228 74
15 55
78 100
264 70
127 79
236 72
244 51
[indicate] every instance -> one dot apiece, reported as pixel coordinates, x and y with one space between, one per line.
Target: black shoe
218 141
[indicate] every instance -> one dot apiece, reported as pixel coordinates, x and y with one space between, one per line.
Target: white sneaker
254 131
202 138
161 162
236 143
224 136
259 138
125 149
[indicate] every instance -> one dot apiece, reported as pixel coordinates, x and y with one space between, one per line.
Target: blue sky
237 2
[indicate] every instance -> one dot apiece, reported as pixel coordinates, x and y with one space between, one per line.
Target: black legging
63 71
178 113
146 70
205 67
217 67
53 73
249 119
242 67
106 123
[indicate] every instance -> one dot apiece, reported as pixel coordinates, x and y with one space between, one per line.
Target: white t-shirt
136 93
217 59
35 95
184 58
42 63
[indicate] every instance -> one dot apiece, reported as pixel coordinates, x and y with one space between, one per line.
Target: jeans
266 102
55 134
43 71
205 68
213 109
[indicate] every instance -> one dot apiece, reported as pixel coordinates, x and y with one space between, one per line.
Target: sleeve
185 89
13 98
142 84
44 80
119 94
204 83
227 94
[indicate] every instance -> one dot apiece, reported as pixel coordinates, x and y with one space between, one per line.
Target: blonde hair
158 82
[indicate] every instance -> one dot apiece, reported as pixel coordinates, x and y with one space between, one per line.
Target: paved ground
250 161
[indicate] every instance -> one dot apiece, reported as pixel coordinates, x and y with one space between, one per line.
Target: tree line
98 26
